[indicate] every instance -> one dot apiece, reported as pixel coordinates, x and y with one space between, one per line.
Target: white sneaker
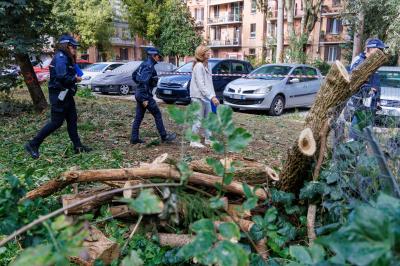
195 144
208 142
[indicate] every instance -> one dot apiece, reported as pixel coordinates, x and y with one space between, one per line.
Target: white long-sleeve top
201 85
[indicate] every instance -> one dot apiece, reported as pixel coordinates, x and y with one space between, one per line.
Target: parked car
83 64
274 87
96 69
120 80
11 71
42 70
388 114
175 88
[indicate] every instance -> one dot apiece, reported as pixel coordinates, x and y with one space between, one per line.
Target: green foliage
295 53
146 203
65 241
312 255
132 260
168 24
206 248
148 251
322 66
85 93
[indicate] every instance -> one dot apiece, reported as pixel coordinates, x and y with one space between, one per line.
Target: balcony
199 23
123 42
229 19
234 42
221 2
331 10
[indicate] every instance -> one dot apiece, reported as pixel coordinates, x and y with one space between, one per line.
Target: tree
167 24
23 30
90 20
279 33
311 13
178 36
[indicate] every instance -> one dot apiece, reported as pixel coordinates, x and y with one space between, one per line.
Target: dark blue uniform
364 115
146 77
62 76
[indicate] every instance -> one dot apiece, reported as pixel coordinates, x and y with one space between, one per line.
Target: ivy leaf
238 140
250 203
218 147
216 203
216 166
227 254
203 225
228 178
256 232
199 246
132 260
317 253
270 215
229 231
146 203
247 190
278 196
185 171
301 254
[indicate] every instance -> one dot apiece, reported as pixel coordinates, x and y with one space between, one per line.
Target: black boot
137 141
32 150
81 149
169 137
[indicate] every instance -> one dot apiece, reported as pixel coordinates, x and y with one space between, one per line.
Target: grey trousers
205 109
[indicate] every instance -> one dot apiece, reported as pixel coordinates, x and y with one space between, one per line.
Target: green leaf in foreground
146 203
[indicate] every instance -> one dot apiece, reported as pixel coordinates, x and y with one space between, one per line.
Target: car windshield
270 70
128 67
390 79
188 67
96 67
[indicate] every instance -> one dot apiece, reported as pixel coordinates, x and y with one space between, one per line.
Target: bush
322 66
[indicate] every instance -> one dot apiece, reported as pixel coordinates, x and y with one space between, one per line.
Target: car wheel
277 106
169 101
124 89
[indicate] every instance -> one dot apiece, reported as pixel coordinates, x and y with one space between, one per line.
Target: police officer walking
366 100
62 88
146 77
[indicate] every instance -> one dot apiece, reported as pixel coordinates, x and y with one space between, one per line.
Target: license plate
167 91
238 97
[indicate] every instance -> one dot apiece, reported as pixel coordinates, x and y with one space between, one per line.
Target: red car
43 73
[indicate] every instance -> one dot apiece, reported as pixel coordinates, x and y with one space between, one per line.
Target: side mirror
294 80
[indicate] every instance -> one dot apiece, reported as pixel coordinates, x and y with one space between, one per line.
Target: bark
358 35
87 207
122 211
306 142
250 172
310 16
164 171
174 240
312 209
31 81
98 246
279 33
289 9
337 88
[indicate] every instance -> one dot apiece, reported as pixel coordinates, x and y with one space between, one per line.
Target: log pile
203 178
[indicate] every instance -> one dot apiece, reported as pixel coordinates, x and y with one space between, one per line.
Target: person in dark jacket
366 100
146 77
62 88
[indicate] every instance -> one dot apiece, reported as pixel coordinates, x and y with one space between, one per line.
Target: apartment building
238 29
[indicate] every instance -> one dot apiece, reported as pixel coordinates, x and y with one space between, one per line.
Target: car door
312 84
222 68
295 88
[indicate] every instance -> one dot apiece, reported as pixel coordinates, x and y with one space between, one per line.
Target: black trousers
60 111
140 111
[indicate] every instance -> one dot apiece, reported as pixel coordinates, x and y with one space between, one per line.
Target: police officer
62 88
366 100
146 78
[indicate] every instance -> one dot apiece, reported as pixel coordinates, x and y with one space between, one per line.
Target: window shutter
326 53
339 52
340 26
328 25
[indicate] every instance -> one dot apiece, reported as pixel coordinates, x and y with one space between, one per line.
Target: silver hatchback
274 87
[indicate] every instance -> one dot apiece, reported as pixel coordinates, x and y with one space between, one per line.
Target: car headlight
159 82
263 90
185 84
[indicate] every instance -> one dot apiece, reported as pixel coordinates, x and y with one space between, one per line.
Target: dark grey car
120 80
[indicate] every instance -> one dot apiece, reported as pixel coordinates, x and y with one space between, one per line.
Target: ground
104 124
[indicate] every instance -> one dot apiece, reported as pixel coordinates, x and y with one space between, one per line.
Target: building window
334 26
253 30
199 14
253 6
335 2
332 53
271 30
217 33
252 52
216 11
123 54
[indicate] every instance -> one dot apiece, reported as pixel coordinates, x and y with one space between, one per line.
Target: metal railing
226 42
225 19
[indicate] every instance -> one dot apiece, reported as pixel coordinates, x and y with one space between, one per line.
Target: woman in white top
202 90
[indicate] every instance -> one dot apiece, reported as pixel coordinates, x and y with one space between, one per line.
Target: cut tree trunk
164 171
337 88
31 81
98 246
87 207
250 172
